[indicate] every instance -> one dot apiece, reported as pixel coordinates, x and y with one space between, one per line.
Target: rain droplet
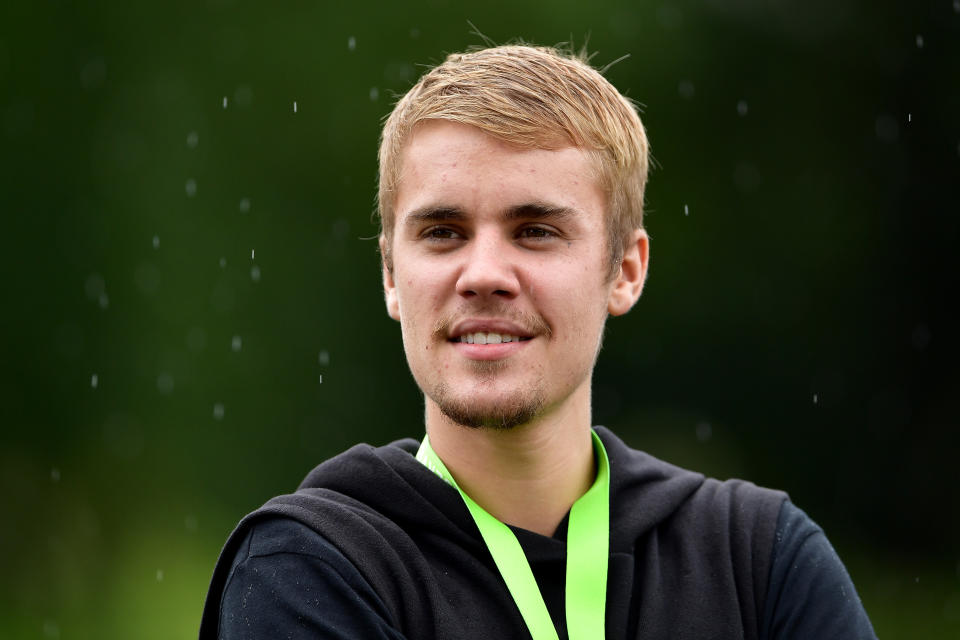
94 381
919 41
816 398
104 301
321 378
156 242
374 94
218 411
224 102
909 117
223 263
253 253
351 43
165 383
956 6
686 210
415 32
742 107
294 106
704 431
324 357
244 205
55 475
255 273
191 187
686 89
159 575
237 343
193 139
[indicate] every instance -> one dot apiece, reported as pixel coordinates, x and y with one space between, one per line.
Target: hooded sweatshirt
375 545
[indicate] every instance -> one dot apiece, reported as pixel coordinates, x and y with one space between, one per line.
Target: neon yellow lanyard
588 543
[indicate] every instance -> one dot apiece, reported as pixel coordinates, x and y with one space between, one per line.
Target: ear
628 284
389 287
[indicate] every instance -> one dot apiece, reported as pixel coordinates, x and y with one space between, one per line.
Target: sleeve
810 594
287 581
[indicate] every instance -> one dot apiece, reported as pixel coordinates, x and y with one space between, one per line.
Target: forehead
460 165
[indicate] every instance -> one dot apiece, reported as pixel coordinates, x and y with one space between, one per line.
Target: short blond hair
531 97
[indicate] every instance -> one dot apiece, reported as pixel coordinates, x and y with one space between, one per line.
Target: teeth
488 338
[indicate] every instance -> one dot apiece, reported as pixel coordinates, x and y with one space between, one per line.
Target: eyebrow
526 211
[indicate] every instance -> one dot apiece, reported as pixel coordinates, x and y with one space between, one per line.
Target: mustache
531 323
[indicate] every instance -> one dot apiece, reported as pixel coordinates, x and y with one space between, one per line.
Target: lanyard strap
588 543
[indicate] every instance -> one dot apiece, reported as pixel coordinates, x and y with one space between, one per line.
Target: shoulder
287 579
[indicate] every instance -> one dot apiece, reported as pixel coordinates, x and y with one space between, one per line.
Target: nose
488 270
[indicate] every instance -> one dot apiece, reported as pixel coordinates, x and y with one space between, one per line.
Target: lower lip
489 351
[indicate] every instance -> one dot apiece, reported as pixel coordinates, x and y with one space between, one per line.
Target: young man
511 198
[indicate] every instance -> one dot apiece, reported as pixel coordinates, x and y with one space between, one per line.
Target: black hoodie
690 557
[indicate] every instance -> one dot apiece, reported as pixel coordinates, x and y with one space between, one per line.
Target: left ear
628 284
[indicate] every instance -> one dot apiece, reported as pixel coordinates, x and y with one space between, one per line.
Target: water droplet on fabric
742 107
94 381
351 43
193 139
236 344
190 187
218 411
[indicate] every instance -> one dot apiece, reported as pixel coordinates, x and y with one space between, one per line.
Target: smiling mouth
484 337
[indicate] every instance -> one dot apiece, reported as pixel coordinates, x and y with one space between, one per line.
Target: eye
440 234
537 232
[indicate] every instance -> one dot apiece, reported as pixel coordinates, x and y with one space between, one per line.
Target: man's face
500 274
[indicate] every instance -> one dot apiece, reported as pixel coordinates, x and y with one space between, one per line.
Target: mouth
489 337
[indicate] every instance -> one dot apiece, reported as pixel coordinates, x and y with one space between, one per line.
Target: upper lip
488 325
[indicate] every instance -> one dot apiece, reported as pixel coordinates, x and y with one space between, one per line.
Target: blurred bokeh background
192 315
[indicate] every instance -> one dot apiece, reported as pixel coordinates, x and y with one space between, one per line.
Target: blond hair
531 97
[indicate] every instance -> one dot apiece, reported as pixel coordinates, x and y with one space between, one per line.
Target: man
511 194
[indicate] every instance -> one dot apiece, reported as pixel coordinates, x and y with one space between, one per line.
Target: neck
528 476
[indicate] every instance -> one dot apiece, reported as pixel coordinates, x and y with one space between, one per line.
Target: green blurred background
192 313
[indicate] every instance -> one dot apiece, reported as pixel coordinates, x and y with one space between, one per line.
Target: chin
503 414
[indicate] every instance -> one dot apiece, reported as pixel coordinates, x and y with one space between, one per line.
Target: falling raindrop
218 411
55 475
321 378
255 273
909 117
351 43
294 106
191 187
324 357
224 102
236 344
94 381
919 41
374 94
104 301
253 253
956 6
415 32
816 399
223 263
742 107
686 89
159 575
165 383
686 210
193 139
704 431
156 242
244 205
